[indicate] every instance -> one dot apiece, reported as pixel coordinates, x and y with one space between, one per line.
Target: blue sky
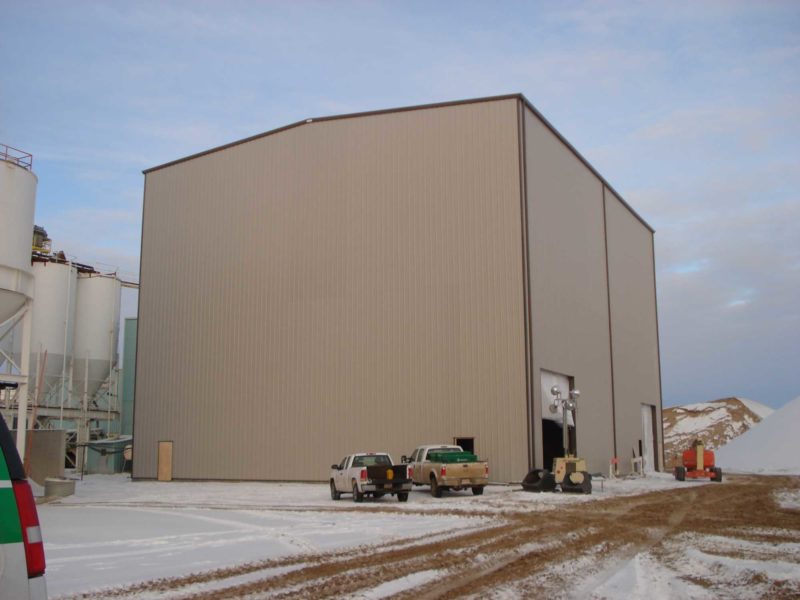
690 109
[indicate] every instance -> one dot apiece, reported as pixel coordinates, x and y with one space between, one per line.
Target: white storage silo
97 305
17 205
52 329
10 342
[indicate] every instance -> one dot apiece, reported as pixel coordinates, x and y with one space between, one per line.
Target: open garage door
648 438
552 422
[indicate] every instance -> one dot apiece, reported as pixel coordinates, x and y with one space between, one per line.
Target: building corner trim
526 279
662 457
610 328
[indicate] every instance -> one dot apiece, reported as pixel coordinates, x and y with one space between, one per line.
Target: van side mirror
335 467
404 459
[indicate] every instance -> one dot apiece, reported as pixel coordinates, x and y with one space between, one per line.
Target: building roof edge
517 96
334 118
583 159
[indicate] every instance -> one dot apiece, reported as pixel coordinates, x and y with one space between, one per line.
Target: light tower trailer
569 472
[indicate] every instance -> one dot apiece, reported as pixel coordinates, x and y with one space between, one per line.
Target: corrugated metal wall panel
569 297
345 285
633 324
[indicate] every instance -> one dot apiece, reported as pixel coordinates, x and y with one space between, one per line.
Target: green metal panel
452 457
10 529
4 474
128 375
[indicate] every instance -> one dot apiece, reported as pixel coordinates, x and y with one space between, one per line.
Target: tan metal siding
569 297
633 325
339 286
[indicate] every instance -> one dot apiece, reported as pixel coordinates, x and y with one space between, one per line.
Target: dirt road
716 540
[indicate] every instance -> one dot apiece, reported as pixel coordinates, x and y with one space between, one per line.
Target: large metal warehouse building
382 280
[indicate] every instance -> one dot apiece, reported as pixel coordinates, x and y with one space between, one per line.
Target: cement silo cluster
17 205
59 325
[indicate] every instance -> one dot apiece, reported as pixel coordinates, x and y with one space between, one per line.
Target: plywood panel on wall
164 461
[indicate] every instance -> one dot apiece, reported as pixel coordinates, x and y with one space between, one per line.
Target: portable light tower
569 471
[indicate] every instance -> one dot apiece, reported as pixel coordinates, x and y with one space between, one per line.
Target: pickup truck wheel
402 496
477 490
335 494
357 496
436 489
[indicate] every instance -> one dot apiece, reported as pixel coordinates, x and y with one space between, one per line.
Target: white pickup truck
369 473
447 467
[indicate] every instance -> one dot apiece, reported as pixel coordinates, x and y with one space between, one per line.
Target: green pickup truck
447 468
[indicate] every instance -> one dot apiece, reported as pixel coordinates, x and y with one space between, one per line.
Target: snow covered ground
115 531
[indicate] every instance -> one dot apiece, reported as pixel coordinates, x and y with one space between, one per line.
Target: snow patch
196 589
644 578
788 499
718 543
714 563
396 586
691 424
762 410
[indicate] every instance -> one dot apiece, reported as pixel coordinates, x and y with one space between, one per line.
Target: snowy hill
772 447
715 423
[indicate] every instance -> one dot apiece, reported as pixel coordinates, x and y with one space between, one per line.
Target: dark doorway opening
656 455
553 442
467 443
573 448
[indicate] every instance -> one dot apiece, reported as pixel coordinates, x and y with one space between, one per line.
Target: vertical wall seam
610 329
660 441
526 299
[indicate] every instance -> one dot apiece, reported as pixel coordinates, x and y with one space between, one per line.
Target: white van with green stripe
21 547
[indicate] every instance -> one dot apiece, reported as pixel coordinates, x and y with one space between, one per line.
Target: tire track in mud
584 531
710 509
364 569
527 552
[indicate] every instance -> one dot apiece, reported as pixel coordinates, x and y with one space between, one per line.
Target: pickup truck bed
369 474
452 457
387 479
